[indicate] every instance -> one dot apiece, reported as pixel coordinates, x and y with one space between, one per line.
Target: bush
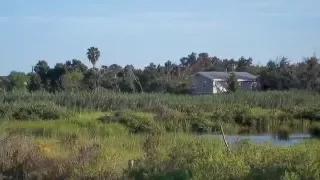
109 118
39 112
137 123
172 120
140 124
310 113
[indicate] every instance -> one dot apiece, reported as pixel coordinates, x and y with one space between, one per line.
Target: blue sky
142 31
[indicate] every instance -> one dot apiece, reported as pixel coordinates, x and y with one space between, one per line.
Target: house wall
220 85
199 88
244 84
216 85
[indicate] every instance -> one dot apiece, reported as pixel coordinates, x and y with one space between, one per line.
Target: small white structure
216 82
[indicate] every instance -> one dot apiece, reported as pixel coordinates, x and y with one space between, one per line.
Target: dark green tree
42 68
75 66
55 77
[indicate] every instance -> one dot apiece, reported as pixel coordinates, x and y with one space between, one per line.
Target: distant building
216 82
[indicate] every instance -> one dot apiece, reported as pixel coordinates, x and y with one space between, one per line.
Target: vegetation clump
33 111
315 130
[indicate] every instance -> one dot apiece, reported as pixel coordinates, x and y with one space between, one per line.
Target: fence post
130 164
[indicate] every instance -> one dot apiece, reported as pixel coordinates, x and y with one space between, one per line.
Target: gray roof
225 75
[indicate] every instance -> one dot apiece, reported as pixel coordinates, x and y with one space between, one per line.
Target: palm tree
93 55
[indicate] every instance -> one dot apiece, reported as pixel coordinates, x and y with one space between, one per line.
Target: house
216 82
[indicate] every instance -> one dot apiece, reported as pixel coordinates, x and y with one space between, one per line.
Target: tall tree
42 69
232 82
93 55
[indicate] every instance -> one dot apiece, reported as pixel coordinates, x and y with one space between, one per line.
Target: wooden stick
224 139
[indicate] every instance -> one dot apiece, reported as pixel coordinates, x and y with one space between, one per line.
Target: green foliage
18 80
34 83
137 123
232 82
279 74
73 81
308 112
39 111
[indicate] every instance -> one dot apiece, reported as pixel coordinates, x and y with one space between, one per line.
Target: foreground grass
165 156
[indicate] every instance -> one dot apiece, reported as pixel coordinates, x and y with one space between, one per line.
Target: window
204 83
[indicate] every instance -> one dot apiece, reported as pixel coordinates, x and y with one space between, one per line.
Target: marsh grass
175 113
85 135
189 157
105 100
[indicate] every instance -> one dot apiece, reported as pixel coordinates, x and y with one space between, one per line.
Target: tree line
73 75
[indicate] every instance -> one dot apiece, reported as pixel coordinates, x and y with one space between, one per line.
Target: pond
273 138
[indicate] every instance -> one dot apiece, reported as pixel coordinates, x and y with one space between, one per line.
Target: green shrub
306 112
137 123
39 111
110 118
172 120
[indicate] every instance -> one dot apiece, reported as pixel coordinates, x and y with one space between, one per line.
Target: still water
276 139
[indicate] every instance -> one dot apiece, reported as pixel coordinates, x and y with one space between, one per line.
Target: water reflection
274 138
286 132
